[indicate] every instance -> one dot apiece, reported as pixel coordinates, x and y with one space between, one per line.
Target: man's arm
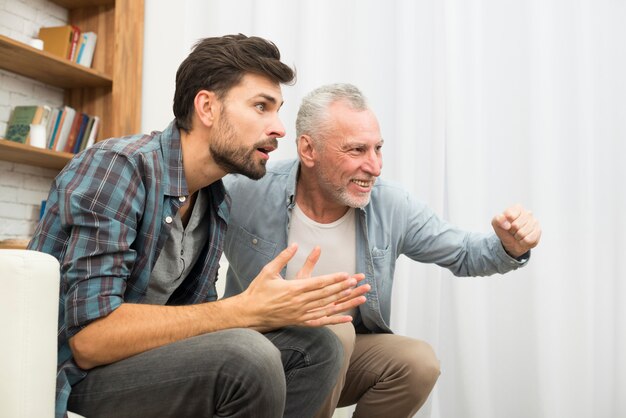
269 302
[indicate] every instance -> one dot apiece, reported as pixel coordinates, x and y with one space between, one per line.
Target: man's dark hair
218 64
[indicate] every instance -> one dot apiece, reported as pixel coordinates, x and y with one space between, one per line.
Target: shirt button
182 198
168 220
255 241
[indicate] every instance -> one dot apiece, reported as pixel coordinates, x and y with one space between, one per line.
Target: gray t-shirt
180 252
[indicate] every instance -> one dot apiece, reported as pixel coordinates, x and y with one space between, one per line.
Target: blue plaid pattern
105 223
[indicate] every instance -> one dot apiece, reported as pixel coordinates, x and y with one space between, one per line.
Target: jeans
231 373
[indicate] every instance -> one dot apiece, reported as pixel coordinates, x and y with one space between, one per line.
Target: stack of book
69 42
66 129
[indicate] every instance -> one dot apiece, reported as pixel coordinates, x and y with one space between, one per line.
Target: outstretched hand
517 229
272 302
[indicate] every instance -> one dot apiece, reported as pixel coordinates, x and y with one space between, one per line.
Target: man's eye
260 106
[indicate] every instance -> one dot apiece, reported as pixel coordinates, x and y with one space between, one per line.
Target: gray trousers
231 373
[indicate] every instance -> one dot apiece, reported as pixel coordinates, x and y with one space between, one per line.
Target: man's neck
314 202
198 164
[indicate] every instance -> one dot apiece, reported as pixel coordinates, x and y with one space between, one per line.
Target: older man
330 197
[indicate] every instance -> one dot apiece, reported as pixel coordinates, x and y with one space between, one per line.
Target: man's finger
513 212
500 221
309 264
332 309
277 264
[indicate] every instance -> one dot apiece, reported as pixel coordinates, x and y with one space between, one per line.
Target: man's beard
340 194
237 160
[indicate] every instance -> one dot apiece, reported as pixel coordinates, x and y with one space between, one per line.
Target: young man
138 225
331 197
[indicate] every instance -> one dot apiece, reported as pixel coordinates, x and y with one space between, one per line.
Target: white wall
23 187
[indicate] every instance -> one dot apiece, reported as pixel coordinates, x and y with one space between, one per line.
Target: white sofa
28 325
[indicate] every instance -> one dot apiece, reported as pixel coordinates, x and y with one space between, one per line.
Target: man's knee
251 373
421 365
250 352
332 346
347 337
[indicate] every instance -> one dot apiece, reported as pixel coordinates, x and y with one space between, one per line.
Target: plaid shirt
106 221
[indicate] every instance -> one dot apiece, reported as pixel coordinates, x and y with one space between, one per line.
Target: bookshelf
111 88
39 157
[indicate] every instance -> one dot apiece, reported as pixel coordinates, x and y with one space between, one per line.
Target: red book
74 43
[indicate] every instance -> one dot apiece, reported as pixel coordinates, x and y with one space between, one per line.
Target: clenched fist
517 229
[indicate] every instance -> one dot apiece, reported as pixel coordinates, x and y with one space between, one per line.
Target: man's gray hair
313 114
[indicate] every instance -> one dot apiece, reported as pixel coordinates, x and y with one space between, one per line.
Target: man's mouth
267 148
364 185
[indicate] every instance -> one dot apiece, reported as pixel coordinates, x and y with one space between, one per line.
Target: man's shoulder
130 146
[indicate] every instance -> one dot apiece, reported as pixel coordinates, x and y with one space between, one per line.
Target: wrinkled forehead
350 125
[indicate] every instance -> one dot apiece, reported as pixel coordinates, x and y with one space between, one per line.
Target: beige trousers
385 375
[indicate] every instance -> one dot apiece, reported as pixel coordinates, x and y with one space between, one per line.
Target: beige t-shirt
336 239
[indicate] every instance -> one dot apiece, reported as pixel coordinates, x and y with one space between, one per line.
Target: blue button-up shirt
393 223
106 221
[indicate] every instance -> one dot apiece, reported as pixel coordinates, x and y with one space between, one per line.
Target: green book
19 124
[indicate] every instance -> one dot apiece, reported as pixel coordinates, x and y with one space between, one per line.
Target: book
80 47
81 132
36 118
52 120
85 138
19 124
93 133
74 43
88 47
54 137
68 121
41 118
73 134
57 40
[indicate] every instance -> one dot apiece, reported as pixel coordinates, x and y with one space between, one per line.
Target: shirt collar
174 182
292 180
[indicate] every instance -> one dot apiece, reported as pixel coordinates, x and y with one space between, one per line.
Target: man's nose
374 163
276 128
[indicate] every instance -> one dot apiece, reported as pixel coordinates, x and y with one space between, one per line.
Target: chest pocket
250 242
379 252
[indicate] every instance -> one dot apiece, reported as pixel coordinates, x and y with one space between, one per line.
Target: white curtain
483 104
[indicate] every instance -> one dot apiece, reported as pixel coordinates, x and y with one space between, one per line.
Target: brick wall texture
23 187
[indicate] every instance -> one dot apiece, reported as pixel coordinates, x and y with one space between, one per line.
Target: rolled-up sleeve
100 208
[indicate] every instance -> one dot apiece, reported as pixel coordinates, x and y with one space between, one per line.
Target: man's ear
206 107
306 150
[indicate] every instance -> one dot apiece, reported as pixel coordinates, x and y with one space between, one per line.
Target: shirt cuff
509 260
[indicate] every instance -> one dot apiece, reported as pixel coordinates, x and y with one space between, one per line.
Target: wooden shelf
111 89
75 4
14 244
39 157
30 62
